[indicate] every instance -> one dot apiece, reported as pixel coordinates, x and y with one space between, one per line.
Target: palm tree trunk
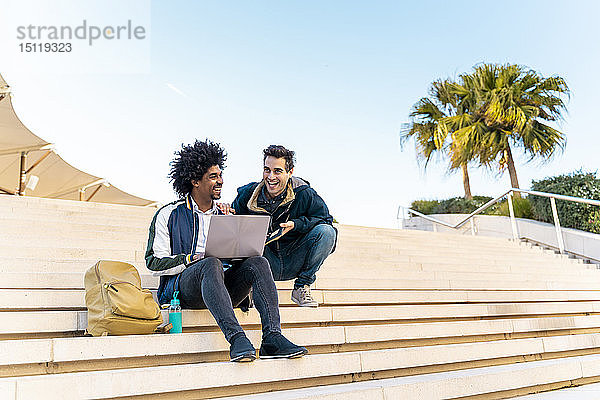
510 163
466 184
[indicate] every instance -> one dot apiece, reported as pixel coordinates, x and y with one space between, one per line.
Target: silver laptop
236 236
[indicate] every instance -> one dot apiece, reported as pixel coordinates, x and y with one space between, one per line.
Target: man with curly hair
302 230
175 252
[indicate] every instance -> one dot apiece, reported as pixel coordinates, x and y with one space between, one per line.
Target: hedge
572 215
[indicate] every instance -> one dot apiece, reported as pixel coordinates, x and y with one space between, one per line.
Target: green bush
455 205
594 222
460 205
522 207
571 215
424 206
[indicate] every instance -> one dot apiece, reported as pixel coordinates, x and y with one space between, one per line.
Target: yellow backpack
116 302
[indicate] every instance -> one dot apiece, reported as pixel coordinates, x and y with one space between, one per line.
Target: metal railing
513 221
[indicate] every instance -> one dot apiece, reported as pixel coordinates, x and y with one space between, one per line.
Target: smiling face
208 188
275 176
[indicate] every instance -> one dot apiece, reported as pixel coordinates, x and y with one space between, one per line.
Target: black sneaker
241 350
275 345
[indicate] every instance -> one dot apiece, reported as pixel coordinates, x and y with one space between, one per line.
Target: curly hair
192 162
279 151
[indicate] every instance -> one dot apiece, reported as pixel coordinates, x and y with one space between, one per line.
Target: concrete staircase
402 315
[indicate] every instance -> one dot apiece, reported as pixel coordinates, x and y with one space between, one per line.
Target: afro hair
192 162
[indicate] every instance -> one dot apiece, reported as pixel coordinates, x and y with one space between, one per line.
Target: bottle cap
175 301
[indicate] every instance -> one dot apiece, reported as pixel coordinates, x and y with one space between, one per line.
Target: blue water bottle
175 315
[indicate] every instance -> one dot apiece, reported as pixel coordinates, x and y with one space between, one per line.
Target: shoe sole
311 305
297 354
244 358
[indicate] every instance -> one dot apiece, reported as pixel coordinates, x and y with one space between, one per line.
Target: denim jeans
205 285
302 258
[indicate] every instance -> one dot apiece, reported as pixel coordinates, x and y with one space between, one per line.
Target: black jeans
205 285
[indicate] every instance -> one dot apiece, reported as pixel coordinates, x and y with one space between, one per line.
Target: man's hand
225 208
287 226
197 257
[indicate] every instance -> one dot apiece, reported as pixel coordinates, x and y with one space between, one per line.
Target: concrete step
593 276
67 217
57 280
575 269
70 321
40 263
174 378
73 280
56 253
62 248
205 345
43 228
389 284
60 350
93 239
413 245
584 392
333 266
66 243
508 327
18 204
449 296
79 259
489 382
364 257
90 236
475 253
40 299
432 238
43 265
445 242
18 230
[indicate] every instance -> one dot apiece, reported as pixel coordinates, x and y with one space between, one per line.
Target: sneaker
275 345
302 297
241 350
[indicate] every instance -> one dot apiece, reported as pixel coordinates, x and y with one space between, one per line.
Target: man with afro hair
175 252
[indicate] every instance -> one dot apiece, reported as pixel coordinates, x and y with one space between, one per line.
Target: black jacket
301 204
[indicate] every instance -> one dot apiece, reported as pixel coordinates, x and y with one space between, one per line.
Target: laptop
236 236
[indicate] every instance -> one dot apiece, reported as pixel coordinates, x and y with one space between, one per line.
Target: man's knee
211 266
325 233
260 265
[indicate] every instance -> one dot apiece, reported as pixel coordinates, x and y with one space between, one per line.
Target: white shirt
204 220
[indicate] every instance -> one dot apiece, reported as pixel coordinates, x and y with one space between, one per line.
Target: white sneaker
302 297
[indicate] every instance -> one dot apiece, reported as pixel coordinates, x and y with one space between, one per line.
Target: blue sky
333 80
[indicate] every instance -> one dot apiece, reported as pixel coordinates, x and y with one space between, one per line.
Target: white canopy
29 166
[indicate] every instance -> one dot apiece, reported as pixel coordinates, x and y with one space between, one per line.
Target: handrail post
561 243
472 226
513 220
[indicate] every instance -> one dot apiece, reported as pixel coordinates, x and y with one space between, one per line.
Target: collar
264 196
288 194
191 205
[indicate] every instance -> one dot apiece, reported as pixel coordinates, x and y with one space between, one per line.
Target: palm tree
433 121
513 105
